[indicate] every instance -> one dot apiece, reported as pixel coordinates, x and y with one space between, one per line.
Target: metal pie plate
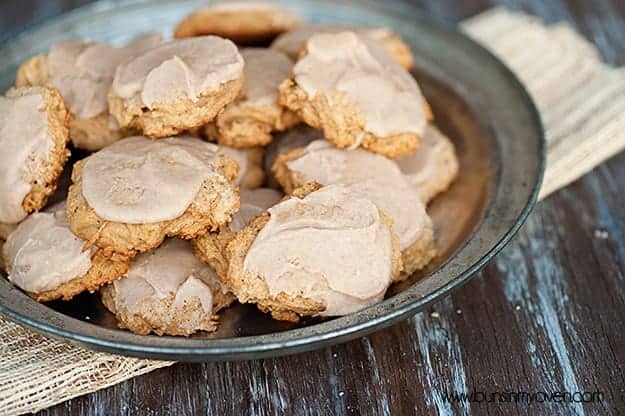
477 102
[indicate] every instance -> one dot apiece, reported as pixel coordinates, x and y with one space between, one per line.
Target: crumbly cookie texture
211 247
83 73
177 187
33 141
168 292
287 278
348 87
245 23
47 261
368 175
293 42
251 119
95 133
299 136
251 173
434 167
176 86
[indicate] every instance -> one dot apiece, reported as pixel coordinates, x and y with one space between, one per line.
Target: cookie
434 167
321 253
130 196
48 262
347 86
250 23
211 246
250 120
251 173
373 177
293 42
33 140
169 292
6 230
3 266
299 136
83 73
176 86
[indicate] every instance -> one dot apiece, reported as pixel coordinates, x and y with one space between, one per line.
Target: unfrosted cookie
373 177
434 167
249 121
293 42
48 262
176 86
323 253
169 292
33 140
129 196
251 23
211 246
251 173
348 86
83 73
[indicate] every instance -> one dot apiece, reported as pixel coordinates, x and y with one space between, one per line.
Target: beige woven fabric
578 98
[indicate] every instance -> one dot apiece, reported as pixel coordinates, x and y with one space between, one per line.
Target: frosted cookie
244 22
348 86
324 253
176 86
129 196
6 230
33 140
293 42
83 73
434 167
169 292
48 262
251 173
249 121
211 246
373 177
299 136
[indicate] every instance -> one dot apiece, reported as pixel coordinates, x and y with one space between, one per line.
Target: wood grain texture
546 315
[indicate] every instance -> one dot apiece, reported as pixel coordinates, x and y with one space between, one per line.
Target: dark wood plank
546 315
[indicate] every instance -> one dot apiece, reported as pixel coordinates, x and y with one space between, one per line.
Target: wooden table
547 315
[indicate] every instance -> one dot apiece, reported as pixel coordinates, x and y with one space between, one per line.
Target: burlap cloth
580 99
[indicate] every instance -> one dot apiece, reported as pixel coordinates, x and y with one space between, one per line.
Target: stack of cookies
295 177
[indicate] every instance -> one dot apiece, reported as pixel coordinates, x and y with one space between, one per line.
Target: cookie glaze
42 253
170 270
141 181
434 162
83 71
253 203
371 176
265 69
25 147
293 41
331 246
387 97
179 69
